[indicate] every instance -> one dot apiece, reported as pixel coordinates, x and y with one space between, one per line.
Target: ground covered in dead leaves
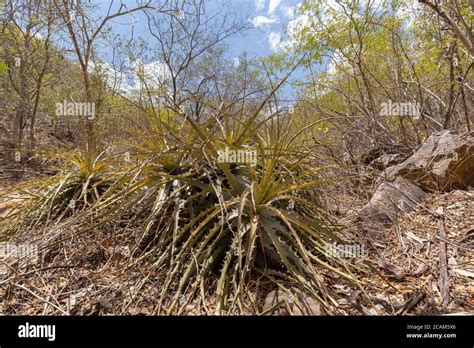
425 260
423 264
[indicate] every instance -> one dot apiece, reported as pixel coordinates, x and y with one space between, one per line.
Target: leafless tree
187 42
26 45
84 29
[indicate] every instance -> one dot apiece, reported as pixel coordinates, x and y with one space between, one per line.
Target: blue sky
268 19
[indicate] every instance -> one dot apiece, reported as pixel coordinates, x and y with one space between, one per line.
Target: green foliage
3 68
214 226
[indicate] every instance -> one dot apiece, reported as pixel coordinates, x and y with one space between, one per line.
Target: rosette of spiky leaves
210 227
51 199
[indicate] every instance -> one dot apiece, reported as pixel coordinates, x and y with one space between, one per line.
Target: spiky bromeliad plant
208 226
49 200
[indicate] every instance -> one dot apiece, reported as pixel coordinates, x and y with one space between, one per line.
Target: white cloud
337 60
273 6
154 72
114 79
296 25
236 62
274 39
262 20
259 5
288 11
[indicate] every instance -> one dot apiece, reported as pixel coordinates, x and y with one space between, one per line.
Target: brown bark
467 42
